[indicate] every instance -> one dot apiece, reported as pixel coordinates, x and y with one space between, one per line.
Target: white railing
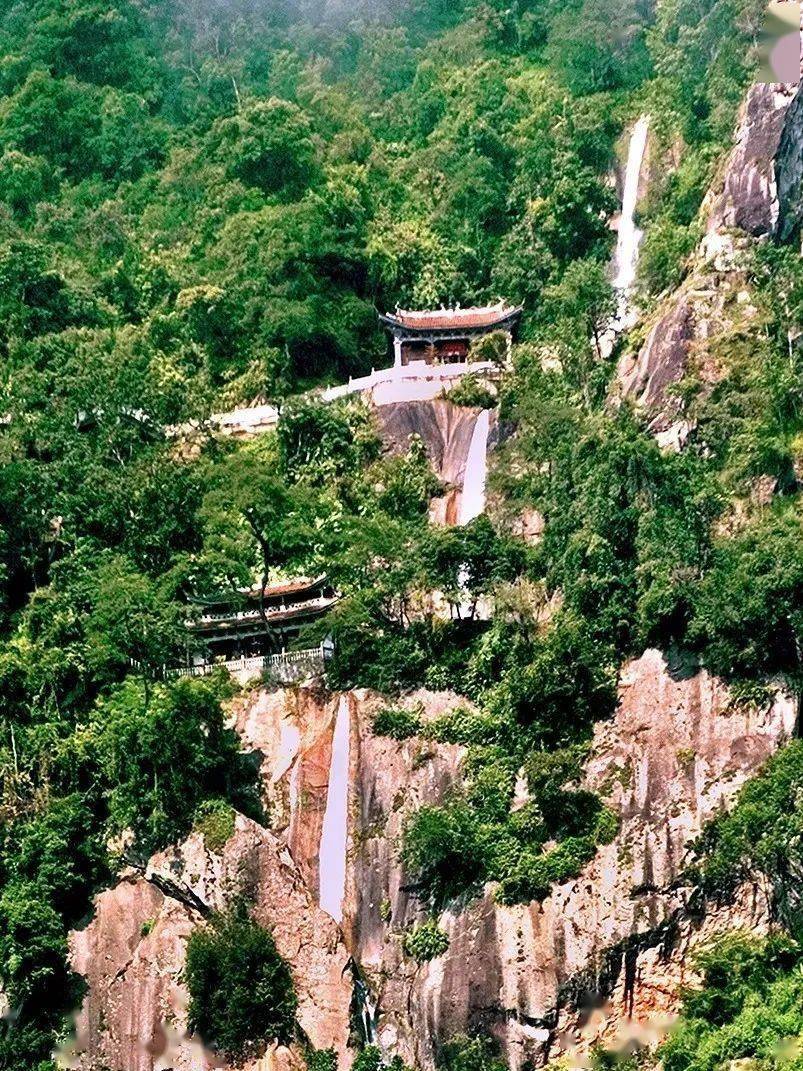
258 418
283 664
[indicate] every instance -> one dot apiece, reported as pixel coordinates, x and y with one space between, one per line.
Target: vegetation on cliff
201 205
241 990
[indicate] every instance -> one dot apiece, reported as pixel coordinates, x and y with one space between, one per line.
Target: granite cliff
602 956
758 196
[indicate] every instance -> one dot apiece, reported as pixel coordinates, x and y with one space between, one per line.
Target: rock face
661 362
759 196
749 199
132 954
676 751
789 171
446 431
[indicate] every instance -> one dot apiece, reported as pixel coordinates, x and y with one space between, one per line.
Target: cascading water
334 834
364 1009
472 501
629 237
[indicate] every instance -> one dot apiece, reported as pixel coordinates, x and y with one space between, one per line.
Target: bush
241 990
472 393
397 723
321 1060
492 347
748 1009
425 942
164 754
748 609
762 834
463 1053
370 1059
440 846
214 820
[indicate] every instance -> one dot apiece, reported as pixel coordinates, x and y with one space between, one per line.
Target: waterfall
629 237
472 500
334 834
364 1010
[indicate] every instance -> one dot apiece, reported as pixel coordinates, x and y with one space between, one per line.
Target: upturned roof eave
457 325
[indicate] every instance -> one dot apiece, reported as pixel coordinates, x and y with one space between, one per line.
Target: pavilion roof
455 319
279 587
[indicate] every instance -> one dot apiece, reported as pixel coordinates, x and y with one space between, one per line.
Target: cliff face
676 751
446 431
759 196
132 953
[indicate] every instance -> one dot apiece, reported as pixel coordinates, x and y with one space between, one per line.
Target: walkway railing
259 418
286 666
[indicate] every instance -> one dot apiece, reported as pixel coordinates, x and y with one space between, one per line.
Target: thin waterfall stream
334 834
475 478
472 500
625 258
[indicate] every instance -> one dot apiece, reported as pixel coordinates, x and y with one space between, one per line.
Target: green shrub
472 393
465 726
464 1053
241 990
370 1059
397 723
761 834
492 347
214 820
747 1009
425 942
321 1060
533 875
441 847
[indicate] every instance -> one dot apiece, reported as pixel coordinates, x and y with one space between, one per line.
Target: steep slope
677 751
758 197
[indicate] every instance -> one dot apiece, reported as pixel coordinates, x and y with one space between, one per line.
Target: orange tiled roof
287 587
452 319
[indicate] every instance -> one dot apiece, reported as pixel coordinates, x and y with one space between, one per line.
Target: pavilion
444 336
250 624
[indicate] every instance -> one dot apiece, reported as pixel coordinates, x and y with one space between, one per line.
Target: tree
162 754
583 306
254 520
241 990
599 47
268 144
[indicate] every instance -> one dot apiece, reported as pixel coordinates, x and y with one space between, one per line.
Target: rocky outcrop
444 428
675 753
132 954
647 377
446 431
749 198
602 953
759 196
789 171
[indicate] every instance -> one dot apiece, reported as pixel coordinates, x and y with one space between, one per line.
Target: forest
204 203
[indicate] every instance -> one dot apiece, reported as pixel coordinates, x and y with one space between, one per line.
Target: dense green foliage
463 1053
760 837
457 846
134 773
202 205
425 942
748 1008
241 990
